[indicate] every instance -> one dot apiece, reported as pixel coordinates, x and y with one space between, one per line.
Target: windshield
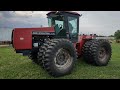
72 24
57 22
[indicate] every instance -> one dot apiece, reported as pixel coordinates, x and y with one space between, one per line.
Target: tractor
56 48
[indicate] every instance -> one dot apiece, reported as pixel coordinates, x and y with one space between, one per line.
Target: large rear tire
86 52
59 57
98 52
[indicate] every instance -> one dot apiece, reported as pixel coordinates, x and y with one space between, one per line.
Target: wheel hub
63 58
102 54
60 59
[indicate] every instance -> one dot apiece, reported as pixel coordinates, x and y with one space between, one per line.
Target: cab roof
63 12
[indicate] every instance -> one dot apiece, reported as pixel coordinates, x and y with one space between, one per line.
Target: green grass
15 66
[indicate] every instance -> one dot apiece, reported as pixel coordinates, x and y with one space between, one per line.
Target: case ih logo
43 33
21 38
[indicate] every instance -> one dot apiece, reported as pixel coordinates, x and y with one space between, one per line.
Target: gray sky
98 22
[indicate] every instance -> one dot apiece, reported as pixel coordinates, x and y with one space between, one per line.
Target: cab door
73 26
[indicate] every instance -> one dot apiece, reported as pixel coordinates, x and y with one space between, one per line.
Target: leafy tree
117 34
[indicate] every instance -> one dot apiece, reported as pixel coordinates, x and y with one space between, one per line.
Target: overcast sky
98 22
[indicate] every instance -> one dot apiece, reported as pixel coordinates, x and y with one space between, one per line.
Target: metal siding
5 34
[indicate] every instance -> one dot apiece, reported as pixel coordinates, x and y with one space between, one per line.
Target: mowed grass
15 66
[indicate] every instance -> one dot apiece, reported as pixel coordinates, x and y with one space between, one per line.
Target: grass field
15 66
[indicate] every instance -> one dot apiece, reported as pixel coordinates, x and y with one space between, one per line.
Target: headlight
35 44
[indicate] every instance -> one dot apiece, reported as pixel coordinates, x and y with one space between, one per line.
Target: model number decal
43 33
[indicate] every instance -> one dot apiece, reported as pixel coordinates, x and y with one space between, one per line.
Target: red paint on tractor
22 37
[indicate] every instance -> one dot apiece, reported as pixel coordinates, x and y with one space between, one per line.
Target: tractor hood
22 37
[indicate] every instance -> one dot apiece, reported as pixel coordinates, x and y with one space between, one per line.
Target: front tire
59 57
33 56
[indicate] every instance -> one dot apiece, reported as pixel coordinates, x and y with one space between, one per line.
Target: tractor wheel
59 57
86 52
99 52
33 56
41 53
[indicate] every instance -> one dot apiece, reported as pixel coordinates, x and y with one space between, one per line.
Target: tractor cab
66 24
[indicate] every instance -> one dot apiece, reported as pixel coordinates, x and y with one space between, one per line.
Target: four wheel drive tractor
57 47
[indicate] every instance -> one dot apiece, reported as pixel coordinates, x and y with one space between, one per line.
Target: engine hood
42 29
22 37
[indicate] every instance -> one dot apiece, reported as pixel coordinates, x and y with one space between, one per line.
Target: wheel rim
103 54
63 59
